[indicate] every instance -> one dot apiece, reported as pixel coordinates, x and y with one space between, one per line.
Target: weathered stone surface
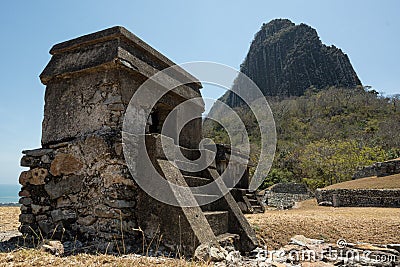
285 195
24 209
59 215
38 209
41 217
24 177
210 252
116 107
27 218
46 226
24 193
63 202
285 59
87 221
38 176
65 164
45 159
113 99
25 201
119 203
28 161
37 152
114 174
67 185
105 212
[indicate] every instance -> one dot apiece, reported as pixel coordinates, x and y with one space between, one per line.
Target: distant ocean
9 193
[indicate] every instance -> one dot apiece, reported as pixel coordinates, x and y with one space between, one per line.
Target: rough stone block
37 152
28 161
24 177
38 209
38 176
27 218
87 221
25 201
24 193
67 185
46 226
116 174
60 215
65 164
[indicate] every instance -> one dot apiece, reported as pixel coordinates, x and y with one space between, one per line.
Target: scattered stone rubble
300 252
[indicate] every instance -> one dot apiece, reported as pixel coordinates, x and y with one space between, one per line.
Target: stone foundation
379 169
359 197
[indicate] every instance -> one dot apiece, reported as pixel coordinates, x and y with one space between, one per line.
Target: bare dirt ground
372 225
274 228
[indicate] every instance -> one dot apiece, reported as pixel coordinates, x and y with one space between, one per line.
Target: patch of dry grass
387 182
31 257
372 225
9 218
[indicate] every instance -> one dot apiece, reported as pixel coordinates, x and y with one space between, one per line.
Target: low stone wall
379 169
284 195
359 197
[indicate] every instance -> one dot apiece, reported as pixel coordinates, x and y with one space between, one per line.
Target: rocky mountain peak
286 59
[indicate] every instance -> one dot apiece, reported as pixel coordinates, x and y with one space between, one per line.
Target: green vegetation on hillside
325 135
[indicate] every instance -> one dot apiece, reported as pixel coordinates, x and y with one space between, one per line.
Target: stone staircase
215 222
255 202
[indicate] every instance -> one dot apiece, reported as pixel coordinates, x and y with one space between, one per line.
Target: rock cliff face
285 59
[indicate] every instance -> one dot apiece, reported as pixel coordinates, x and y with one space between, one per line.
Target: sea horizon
9 193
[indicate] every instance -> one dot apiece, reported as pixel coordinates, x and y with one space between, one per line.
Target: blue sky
219 31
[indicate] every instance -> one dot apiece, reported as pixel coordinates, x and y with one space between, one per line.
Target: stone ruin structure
379 169
249 202
385 198
285 195
79 187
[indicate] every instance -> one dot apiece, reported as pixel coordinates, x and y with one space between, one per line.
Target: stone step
258 209
202 198
218 221
194 181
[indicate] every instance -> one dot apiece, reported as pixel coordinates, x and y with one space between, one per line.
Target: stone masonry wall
284 195
359 197
79 190
379 169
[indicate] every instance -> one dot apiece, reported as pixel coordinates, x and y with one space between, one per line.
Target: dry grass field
274 228
387 182
372 225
